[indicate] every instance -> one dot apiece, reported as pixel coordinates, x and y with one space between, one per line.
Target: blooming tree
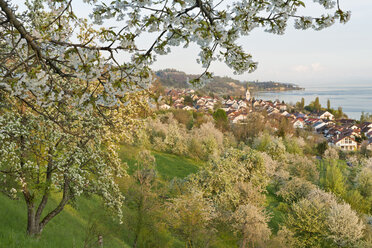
345 226
40 160
318 220
192 215
251 221
235 178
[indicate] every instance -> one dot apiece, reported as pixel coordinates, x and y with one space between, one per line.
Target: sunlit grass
70 228
169 166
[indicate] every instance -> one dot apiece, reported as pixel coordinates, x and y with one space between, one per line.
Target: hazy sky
340 54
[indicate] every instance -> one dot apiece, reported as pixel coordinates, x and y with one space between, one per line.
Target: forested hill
172 78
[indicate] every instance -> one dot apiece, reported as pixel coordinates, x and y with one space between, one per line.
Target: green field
68 229
168 165
74 226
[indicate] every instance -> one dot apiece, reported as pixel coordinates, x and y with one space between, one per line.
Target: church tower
247 95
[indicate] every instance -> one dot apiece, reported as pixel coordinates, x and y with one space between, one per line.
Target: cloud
315 67
301 68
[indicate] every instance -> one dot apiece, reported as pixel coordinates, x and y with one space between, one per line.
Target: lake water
352 99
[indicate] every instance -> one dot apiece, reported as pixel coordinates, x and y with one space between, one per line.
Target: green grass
273 206
168 165
69 228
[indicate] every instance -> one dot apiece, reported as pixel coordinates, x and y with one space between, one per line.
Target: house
179 100
187 108
312 121
318 125
366 124
353 126
369 135
322 129
369 146
178 106
346 121
209 105
164 106
242 104
262 103
281 106
299 123
240 117
356 132
230 102
345 143
235 105
300 115
276 102
256 104
333 131
232 115
173 93
366 127
201 101
325 115
272 111
291 116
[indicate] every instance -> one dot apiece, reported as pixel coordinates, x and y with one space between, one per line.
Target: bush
295 189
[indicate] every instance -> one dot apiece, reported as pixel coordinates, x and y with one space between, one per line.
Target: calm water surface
352 99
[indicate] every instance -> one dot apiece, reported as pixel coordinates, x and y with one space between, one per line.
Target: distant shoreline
353 100
274 91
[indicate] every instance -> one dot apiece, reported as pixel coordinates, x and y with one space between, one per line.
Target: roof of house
346 121
341 137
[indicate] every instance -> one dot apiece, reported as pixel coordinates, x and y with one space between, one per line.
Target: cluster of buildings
345 134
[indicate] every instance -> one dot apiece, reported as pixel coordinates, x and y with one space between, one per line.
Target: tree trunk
35 224
244 243
139 222
32 225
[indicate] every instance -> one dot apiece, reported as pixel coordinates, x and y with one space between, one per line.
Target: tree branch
59 16
30 40
65 198
48 178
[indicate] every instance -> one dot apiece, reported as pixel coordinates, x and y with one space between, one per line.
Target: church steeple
247 95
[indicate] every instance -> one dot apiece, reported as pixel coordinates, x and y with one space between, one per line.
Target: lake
352 99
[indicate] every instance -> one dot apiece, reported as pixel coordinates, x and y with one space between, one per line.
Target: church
247 95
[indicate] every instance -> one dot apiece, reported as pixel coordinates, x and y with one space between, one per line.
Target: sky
339 55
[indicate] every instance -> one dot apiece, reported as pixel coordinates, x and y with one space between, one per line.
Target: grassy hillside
74 226
69 229
168 165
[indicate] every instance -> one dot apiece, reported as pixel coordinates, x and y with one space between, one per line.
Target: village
346 134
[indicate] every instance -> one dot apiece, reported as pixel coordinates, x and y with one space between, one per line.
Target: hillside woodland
190 184
171 78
